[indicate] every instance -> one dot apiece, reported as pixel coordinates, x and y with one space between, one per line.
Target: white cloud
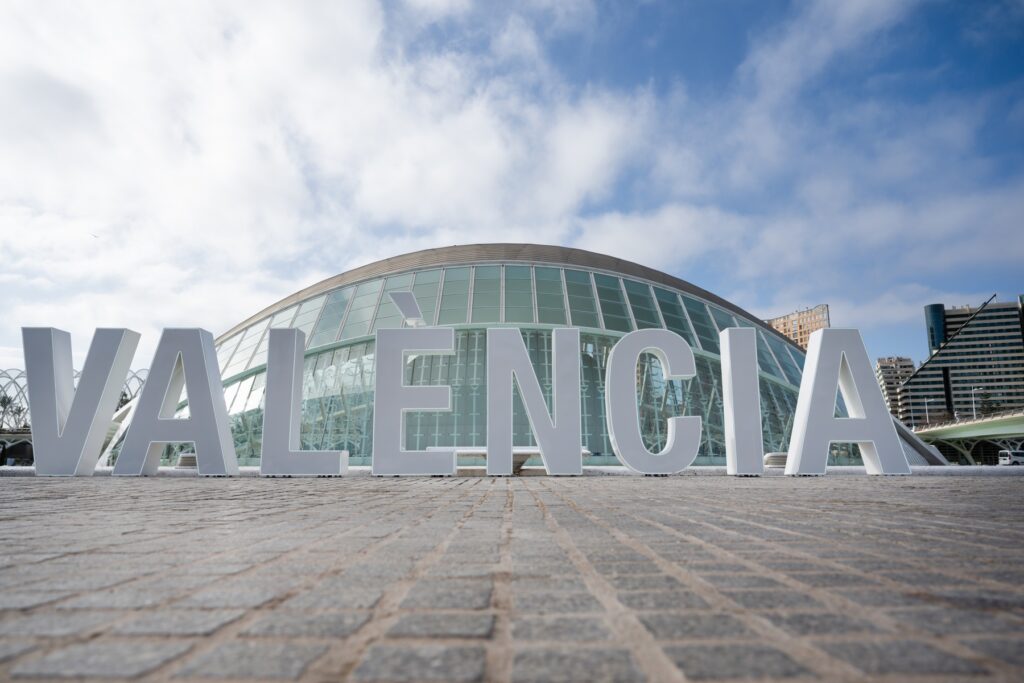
191 164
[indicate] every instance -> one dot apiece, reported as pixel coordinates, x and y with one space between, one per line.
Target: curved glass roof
526 294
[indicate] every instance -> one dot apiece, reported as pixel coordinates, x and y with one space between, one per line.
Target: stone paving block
882 597
339 598
10 649
1009 650
833 579
231 597
453 594
563 664
556 629
821 623
253 659
55 624
120 599
178 622
645 582
548 583
900 657
662 600
679 626
549 602
950 620
771 599
627 568
102 659
326 625
443 625
741 581
712 662
401 664
29 599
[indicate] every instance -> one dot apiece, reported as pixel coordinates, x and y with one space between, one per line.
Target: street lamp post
974 409
928 420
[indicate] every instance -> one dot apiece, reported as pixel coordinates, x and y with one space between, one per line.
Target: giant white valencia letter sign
68 424
184 359
838 357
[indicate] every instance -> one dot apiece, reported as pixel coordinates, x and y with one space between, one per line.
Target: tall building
798 325
976 366
891 373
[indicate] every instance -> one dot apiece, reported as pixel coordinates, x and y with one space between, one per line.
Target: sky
187 164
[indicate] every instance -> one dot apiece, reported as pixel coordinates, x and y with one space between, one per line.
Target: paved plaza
844 578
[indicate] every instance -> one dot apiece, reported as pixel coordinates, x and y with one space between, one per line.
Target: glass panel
245 347
388 314
486 294
642 303
702 324
765 362
280 319
454 296
518 295
334 310
722 319
550 299
358 321
307 315
613 306
582 308
672 312
791 369
425 291
225 350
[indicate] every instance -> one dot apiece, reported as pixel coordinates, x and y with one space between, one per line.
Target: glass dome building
470 288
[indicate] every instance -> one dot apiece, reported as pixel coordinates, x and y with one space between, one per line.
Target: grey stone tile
231 597
562 602
178 622
548 583
326 625
711 662
401 664
593 666
558 629
645 582
949 620
9 649
1009 650
900 657
741 581
881 597
771 599
55 624
28 599
443 625
102 659
832 579
253 659
454 594
678 626
662 600
342 598
821 623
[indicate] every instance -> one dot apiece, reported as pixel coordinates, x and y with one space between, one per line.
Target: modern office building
799 325
891 372
976 366
532 287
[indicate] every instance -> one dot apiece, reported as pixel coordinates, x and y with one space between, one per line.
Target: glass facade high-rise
471 288
975 367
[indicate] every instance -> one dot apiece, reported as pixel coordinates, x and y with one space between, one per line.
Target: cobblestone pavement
843 578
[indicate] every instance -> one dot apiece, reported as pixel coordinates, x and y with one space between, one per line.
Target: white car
1011 457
